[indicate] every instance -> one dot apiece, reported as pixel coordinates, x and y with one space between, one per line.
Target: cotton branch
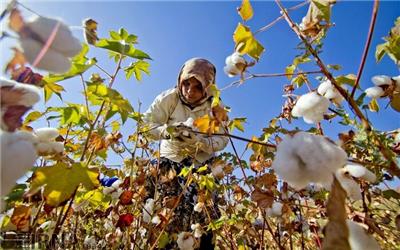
367 45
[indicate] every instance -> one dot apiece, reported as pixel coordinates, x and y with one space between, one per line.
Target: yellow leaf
60 181
246 43
90 32
206 124
373 105
245 10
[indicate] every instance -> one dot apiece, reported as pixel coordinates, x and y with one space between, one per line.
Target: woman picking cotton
170 119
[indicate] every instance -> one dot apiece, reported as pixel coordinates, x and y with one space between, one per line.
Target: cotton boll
374 92
381 80
198 207
359 239
148 210
156 220
17 157
352 188
197 231
51 61
359 171
312 106
324 87
275 210
313 117
64 42
27 136
46 134
185 241
231 70
19 93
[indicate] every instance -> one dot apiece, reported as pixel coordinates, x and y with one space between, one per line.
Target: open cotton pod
52 60
17 157
15 93
46 134
348 184
359 239
64 42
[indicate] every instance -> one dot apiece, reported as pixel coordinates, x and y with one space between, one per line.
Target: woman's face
192 90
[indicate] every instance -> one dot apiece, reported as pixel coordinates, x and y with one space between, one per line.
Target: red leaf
126 197
125 220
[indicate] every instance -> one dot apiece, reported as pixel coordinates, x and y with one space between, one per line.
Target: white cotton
90 241
116 194
324 87
234 59
64 42
29 94
108 225
359 239
351 186
17 157
311 106
45 148
307 158
231 70
185 241
197 231
148 210
380 80
374 92
26 136
329 91
46 134
275 210
218 171
198 207
52 60
359 171
156 220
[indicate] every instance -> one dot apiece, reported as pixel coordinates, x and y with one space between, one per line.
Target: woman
170 119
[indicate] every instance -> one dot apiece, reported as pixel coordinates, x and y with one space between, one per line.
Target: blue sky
172 32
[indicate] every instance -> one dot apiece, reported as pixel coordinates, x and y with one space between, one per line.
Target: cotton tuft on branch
305 158
311 107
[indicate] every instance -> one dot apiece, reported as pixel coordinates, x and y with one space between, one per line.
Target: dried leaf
170 202
15 21
397 221
90 32
21 217
267 180
264 199
17 60
336 231
206 124
126 197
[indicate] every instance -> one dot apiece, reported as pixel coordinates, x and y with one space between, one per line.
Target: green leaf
391 194
60 181
245 10
334 66
95 198
373 105
349 79
208 182
237 123
51 88
290 70
32 116
245 42
137 68
202 169
380 51
395 102
121 48
69 115
324 8
185 171
80 63
163 241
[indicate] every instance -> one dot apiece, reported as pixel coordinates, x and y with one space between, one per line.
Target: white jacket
168 109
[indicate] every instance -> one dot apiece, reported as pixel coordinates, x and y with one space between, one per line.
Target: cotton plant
359 239
305 158
345 177
383 86
311 107
185 241
197 230
235 64
329 91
